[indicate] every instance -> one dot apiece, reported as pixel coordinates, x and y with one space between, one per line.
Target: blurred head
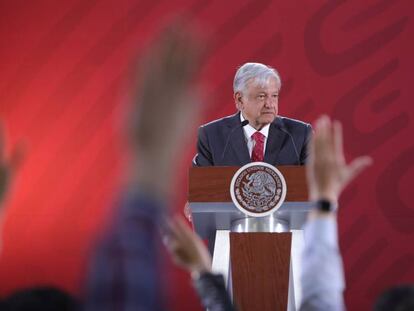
399 298
40 298
256 90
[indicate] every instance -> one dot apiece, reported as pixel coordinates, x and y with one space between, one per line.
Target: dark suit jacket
222 143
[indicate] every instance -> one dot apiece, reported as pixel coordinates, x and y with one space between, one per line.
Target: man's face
259 103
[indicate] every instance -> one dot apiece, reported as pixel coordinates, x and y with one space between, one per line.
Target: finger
357 166
311 159
187 212
317 134
338 142
319 123
172 246
172 230
189 216
167 241
184 230
175 232
188 47
174 240
321 137
329 139
312 147
191 63
321 127
189 239
181 53
169 50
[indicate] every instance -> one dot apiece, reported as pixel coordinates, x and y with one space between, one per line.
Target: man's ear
238 100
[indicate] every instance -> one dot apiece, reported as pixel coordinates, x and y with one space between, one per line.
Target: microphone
283 129
241 125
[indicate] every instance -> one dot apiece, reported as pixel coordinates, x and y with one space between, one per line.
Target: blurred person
42 298
397 298
8 168
125 270
256 132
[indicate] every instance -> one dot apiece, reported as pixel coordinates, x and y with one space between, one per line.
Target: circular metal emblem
258 189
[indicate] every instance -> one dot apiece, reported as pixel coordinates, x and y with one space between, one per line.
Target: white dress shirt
249 131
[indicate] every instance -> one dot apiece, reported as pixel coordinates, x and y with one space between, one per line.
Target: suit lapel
238 144
274 142
238 141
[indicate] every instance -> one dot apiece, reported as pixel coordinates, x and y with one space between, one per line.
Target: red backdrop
63 67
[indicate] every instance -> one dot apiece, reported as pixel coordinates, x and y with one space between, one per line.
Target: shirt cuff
322 230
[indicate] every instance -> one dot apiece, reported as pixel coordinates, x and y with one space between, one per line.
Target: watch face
324 205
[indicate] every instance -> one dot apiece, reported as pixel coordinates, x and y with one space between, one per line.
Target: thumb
357 166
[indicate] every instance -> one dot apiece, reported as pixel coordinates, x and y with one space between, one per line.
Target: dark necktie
257 153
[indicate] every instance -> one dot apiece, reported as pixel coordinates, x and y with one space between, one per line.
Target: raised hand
165 106
327 172
186 248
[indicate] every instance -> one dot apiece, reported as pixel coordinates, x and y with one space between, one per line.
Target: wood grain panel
212 184
260 270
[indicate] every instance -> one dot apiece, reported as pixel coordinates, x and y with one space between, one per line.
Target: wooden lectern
261 265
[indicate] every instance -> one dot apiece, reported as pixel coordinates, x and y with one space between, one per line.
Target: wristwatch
327 206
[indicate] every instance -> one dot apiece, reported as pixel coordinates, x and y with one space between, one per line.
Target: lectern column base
260 268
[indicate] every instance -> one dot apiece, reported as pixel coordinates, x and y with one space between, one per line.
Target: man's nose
269 103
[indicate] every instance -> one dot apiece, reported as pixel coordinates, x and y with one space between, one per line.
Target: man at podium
256 132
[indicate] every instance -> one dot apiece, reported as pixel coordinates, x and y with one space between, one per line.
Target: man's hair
257 71
399 298
40 298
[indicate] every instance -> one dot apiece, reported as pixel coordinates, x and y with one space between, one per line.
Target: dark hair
39 299
399 298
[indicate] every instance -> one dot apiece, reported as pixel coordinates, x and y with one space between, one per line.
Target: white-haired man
256 132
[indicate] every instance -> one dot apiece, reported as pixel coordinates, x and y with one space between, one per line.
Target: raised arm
328 174
126 267
189 252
